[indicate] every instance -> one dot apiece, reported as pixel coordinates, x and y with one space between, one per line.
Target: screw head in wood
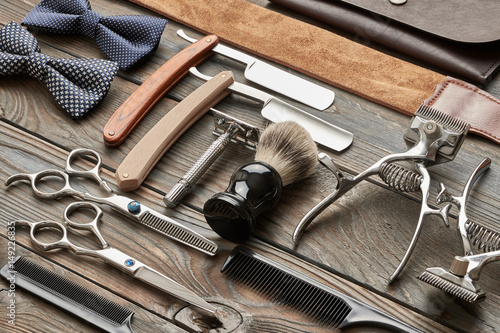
398 2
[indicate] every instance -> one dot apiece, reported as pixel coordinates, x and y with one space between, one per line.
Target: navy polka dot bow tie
125 39
77 84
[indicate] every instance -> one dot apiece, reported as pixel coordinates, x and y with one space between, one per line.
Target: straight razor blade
276 79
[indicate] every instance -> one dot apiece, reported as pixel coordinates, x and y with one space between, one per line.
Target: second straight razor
147 152
276 110
276 79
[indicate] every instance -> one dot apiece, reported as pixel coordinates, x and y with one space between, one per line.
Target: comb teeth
447 121
178 233
451 288
286 288
72 292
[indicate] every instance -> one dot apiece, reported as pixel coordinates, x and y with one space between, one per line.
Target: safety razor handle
137 105
147 152
184 185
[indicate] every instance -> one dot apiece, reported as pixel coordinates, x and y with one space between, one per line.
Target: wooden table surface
353 246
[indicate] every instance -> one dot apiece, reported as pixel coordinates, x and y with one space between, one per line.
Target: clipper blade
450 284
447 132
451 123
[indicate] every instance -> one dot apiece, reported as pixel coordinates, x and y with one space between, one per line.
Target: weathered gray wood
362 236
189 267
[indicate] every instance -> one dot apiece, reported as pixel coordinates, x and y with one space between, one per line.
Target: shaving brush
285 154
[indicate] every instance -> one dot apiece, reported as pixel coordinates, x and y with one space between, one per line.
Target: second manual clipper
432 138
461 280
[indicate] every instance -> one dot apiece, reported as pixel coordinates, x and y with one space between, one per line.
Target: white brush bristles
289 149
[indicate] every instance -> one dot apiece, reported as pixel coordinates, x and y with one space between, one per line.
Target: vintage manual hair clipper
228 130
432 138
462 277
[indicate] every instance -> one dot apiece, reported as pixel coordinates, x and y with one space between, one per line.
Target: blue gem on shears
134 207
129 262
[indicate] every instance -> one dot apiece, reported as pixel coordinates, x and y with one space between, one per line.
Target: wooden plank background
353 246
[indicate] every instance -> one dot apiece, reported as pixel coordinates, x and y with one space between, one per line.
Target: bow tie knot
89 22
125 39
77 84
36 66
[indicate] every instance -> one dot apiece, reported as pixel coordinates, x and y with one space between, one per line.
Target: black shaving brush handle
254 187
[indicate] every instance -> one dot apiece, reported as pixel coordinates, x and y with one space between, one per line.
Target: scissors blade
160 281
148 275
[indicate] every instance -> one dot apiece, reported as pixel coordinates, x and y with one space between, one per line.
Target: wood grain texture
187 266
353 246
135 107
144 156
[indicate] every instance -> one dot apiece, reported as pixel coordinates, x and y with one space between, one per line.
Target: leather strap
309 49
467 102
336 60
477 61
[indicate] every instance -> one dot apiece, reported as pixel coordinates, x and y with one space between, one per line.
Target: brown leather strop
460 41
326 56
311 50
467 102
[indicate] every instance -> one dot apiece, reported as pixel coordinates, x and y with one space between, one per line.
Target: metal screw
431 129
398 2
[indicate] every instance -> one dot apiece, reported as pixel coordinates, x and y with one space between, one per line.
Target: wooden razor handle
144 156
130 113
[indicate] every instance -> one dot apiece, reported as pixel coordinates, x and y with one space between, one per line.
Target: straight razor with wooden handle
276 79
277 110
144 156
137 105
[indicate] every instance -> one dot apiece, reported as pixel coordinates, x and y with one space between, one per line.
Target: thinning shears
121 204
110 255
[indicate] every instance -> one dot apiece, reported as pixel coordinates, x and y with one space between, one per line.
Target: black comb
69 296
298 291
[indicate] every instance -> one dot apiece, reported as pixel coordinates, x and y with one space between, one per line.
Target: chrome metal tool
276 79
122 204
110 255
461 280
276 110
432 138
228 129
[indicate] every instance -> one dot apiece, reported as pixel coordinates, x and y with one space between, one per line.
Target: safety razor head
461 287
442 133
248 135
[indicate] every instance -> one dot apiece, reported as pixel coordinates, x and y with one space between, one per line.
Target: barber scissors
121 204
110 255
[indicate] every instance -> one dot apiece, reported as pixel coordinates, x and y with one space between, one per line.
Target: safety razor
432 137
228 129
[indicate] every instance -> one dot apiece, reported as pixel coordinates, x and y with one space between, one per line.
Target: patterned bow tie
77 84
125 39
